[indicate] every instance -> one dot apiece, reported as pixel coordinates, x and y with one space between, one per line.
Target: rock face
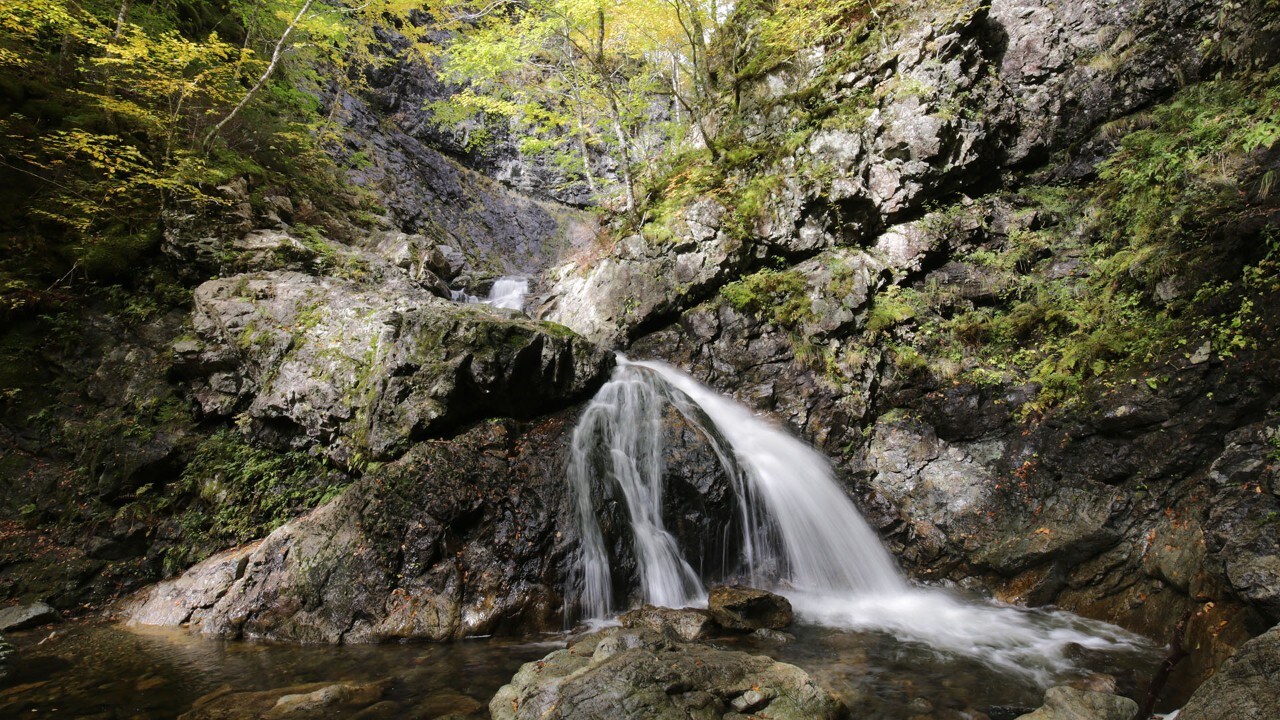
365 370
1064 703
621 674
736 607
1246 687
457 538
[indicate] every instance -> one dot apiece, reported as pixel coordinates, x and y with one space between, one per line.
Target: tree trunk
266 74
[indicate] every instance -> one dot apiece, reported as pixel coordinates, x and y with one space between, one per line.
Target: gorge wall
945 254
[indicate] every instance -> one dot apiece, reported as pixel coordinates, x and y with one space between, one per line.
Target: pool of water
99 670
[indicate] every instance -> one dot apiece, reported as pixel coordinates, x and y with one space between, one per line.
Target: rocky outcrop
365 370
639 674
1064 703
459 537
952 94
1244 688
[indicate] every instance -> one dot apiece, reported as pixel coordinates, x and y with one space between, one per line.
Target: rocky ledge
365 369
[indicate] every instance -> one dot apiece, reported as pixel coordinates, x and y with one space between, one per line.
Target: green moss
891 307
242 491
776 295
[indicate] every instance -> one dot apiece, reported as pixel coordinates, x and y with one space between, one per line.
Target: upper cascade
508 292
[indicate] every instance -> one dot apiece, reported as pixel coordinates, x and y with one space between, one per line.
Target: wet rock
689 624
301 702
364 370
1064 703
459 537
1244 688
736 607
21 617
637 674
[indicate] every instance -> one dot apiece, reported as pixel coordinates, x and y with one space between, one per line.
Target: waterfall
799 530
507 292
800 535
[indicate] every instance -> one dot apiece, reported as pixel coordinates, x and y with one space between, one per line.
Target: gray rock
622 674
1246 687
689 624
21 617
364 370
736 607
1065 703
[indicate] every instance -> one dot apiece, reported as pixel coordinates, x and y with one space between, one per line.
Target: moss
891 307
242 491
776 295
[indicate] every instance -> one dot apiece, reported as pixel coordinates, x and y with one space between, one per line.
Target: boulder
1064 703
689 624
21 617
364 370
1246 687
628 674
736 607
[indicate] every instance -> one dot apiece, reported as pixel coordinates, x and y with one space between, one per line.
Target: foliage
109 111
241 491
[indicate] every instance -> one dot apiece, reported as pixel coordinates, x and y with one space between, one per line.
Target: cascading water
507 292
800 534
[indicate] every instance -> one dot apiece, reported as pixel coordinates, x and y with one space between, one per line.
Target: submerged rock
300 702
620 674
736 607
21 617
1246 687
1064 703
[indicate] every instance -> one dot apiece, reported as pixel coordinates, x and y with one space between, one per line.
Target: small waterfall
800 535
799 530
507 292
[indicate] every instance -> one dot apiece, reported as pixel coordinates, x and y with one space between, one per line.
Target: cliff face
960 279
1011 265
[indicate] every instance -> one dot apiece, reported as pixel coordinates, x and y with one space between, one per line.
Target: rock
364 370
689 624
312 701
620 674
1246 687
1064 703
467 536
21 617
736 607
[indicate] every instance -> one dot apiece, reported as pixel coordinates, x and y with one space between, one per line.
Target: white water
507 292
801 534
